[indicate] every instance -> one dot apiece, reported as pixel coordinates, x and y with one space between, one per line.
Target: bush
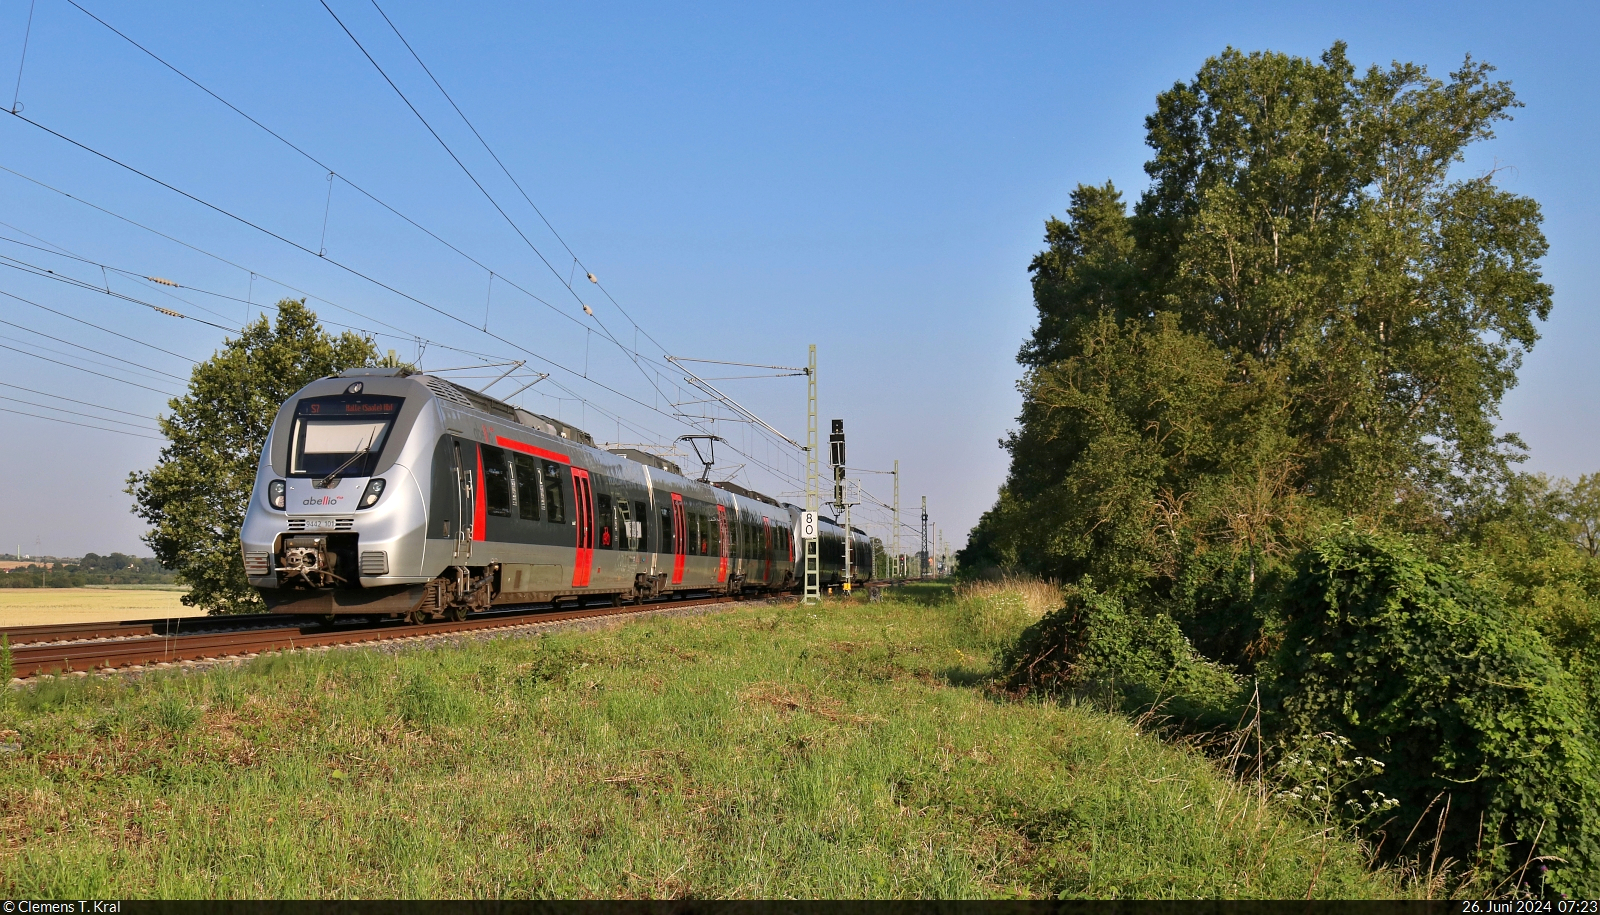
1095 647
1428 673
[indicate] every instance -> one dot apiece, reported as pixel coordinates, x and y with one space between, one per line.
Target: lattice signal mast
813 571
897 570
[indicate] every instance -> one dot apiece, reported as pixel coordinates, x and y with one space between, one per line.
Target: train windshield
340 436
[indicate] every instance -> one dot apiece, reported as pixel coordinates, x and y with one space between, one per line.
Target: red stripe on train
515 445
680 537
480 506
722 539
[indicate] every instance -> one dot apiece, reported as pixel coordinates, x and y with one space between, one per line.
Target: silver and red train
388 492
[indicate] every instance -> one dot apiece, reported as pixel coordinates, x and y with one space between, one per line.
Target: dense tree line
92 569
1258 435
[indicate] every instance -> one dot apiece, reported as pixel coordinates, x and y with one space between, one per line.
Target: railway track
87 647
169 626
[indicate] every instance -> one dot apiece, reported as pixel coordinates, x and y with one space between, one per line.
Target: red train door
766 551
680 538
584 515
722 543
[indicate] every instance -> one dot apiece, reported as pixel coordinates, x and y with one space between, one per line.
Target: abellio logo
323 500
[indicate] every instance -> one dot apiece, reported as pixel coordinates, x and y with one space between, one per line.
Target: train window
627 538
555 507
642 519
669 532
692 523
496 481
606 523
716 533
340 435
705 535
527 487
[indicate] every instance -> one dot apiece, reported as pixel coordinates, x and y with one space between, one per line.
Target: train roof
738 490
648 459
477 400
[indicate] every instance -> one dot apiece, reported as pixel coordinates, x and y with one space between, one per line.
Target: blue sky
745 179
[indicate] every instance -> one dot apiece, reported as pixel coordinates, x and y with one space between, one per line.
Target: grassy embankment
41 606
773 750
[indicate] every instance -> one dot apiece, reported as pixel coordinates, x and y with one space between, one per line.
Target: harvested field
44 606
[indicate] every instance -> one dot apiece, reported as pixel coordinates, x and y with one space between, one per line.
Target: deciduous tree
195 497
1308 314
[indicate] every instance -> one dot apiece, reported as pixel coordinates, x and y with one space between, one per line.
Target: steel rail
166 626
34 659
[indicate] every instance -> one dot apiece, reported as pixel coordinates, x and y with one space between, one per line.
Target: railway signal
840 500
923 558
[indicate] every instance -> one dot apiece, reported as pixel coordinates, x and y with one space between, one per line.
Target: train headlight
276 495
370 497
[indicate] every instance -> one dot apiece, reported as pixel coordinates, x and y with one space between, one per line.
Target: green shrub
1431 675
1098 648
1227 604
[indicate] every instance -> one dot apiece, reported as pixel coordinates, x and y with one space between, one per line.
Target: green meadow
773 750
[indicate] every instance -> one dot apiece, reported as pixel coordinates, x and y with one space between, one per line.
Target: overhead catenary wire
688 420
69 422
332 173
57 276
446 146
483 190
95 326
574 395
345 267
60 277
140 369
22 62
202 251
85 403
102 419
589 274
254 274
89 371
400 333
351 270
41 272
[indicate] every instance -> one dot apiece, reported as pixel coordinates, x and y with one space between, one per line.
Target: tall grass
1035 597
770 751
991 614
